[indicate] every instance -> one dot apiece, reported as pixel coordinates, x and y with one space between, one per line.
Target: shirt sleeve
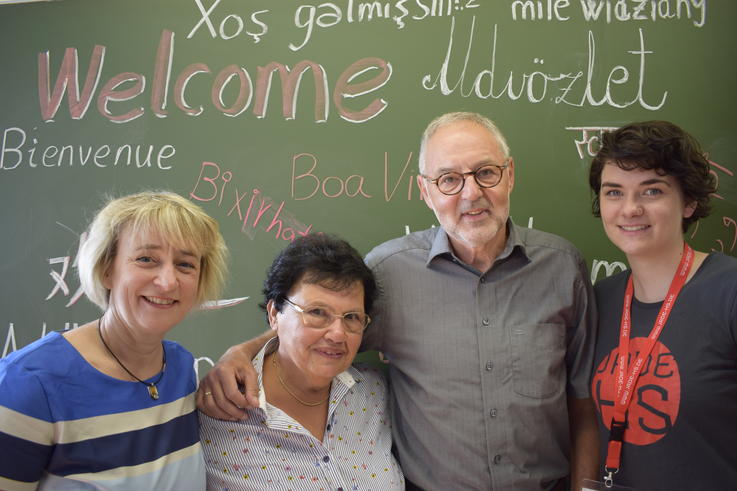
582 336
373 338
26 429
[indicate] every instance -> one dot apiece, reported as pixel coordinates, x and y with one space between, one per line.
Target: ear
423 184
510 172
689 209
107 278
271 311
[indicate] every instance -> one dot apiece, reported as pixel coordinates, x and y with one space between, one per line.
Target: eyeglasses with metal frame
318 317
486 176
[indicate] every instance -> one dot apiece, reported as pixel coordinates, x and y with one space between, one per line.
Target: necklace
152 390
289 391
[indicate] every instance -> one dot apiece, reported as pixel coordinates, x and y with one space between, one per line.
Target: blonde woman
110 405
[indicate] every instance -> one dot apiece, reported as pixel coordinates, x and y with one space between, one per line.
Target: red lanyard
626 383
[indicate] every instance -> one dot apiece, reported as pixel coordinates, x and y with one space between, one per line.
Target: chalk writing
407 231
590 137
215 182
410 179
15 153
231 25
330 186
540 10
574 89
715 171
11 344
67 81
326 15
612 10
221 304
728 221
644 10
60 282
10 341
207 360
306 182
599 265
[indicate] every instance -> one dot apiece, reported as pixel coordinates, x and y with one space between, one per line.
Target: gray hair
454 117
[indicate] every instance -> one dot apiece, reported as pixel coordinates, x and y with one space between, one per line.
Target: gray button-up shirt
481 363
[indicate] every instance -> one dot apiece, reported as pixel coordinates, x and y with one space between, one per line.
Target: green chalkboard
286 117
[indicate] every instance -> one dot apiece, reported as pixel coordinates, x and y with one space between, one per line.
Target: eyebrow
157 247
647 182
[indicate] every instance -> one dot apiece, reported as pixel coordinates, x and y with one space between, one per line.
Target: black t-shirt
682 421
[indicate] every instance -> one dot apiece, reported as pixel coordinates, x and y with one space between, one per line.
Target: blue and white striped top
66 425
271 450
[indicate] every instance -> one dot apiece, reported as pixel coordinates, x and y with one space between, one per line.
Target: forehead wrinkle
481 163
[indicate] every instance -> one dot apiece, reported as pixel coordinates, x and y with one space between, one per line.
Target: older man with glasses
488 328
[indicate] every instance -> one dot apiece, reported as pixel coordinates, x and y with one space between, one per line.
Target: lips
330 353
160 300
633 228
475 213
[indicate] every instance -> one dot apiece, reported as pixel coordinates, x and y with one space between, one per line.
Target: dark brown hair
663 147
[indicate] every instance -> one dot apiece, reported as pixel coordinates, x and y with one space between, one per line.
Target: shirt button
340 489
497 458
492 413
485 322
326 459
483 279
489 367
328 428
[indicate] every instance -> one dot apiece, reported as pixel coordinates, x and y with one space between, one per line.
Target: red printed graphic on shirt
654 407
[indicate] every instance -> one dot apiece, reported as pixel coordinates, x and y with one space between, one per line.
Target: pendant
153 392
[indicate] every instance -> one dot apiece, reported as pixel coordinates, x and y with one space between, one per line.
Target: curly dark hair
321 259
663 147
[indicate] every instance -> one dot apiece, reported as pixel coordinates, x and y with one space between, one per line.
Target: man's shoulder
534 241
419 242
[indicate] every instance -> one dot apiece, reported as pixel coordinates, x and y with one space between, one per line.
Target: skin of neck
652 275
481 257
136 350
309 390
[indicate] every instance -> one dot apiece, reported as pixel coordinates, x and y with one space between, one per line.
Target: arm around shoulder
219 394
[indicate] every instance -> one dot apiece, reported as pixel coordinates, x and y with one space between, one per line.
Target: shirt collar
441 245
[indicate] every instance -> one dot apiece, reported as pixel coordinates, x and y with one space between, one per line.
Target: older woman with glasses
321 423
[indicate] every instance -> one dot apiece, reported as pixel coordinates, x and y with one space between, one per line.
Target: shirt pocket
538 359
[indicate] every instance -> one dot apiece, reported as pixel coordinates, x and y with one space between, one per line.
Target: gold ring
208 393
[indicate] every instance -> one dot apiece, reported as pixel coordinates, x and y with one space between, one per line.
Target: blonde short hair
174 217
455 117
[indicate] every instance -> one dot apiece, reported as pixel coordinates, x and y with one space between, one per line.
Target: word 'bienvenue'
18 150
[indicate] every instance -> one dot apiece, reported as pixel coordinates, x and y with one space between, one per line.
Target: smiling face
642 211
316 355
475 218
153 284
